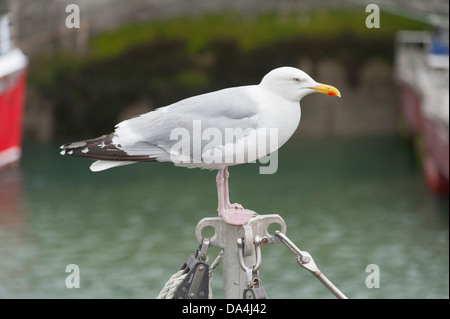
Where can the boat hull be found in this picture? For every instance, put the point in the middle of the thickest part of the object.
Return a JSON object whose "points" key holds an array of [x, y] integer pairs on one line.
{"points": [[12, 93]]}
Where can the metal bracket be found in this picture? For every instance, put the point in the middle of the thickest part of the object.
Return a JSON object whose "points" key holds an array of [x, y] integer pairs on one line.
{"points": [[257, 226], [254, 288], [257, 243], [241, 247]]}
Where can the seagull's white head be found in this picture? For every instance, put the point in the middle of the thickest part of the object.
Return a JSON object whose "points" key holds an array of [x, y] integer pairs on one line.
{"points": [[293, 84]]}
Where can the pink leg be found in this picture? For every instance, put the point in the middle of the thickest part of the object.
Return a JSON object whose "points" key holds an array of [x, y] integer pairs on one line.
{"points": [[220, 181], [233, 214], [228, 205]]}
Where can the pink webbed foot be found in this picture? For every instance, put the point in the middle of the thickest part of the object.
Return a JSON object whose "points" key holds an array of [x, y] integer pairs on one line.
{"points": [[234, 206], [236, 216]]}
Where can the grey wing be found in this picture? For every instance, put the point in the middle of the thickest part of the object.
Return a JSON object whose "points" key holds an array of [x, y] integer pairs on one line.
{"points": [[199, 119]]}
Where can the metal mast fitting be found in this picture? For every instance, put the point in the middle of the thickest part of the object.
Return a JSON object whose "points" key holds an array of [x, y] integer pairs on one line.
{"points": [[241, 252]]}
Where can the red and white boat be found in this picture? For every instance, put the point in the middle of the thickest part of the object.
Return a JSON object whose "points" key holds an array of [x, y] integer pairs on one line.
{"points": [[13, 66], [422, 76]]}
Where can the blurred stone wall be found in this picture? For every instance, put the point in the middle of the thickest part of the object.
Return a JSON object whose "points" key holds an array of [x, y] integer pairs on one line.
{"points": [[40, 24], [370, 108]]}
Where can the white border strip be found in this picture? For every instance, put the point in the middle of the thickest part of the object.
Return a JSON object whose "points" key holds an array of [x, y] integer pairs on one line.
{"points": [[10, 155], [12, 61]]}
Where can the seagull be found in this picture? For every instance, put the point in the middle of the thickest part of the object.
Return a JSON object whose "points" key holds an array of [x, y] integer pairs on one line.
{"points": [[210, 131]]}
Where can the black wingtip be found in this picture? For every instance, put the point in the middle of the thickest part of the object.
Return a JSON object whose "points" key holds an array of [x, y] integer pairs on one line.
{"points": [[102, 148]]}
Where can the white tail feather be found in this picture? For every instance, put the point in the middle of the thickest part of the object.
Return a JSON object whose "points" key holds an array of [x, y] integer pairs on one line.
{"points": [[103, 165]]}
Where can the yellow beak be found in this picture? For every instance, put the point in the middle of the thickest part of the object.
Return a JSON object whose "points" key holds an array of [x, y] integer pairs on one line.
{"points": [[326, 89]]}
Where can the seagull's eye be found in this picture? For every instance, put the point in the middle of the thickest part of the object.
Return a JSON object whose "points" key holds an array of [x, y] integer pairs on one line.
{"points": [[296, 80]]}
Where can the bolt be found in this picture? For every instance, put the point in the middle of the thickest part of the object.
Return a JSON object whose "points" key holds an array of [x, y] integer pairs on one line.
{"points": [[305, 259], [249, 295], [201, 267], [191, 295], [264, 240]]}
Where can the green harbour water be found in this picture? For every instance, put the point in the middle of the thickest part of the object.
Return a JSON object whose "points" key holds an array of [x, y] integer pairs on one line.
{"points": [[349, 201]]}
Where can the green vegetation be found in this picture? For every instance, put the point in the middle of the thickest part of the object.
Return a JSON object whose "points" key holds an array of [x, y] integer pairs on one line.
{"points": [[248, 32]]}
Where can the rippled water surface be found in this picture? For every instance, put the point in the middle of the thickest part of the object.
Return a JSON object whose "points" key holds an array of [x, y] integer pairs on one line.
{"points": [[350, 202]]}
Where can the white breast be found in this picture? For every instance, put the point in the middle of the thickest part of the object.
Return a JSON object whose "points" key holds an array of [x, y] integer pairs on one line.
{"points": [[280, 114]]}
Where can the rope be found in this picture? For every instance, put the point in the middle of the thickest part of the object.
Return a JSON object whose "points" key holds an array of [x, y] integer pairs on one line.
{"points": [[171, 285], [215, 264], [177, 278]]}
